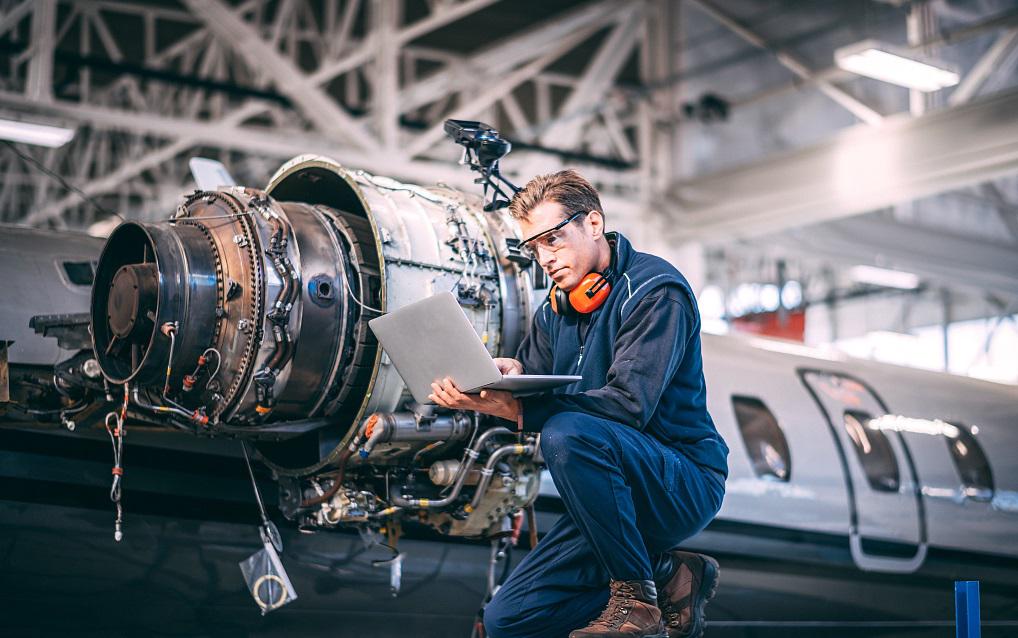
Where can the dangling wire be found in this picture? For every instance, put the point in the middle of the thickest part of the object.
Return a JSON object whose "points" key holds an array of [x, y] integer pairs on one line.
{"points": [[346, 284], [202, 361], [254, 485], [63, 182], [116, 434], [219, 363], [502, 545]]}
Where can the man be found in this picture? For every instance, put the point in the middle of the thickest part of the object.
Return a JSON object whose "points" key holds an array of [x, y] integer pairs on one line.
{"points": [[631, 448]]}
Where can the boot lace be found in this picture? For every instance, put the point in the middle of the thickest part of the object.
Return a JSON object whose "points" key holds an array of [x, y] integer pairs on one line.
{"points": [[672, 616], [619, 606], [672, 611]]}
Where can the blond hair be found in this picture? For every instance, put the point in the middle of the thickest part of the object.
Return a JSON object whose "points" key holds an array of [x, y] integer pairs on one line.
{"points": [[566, 187]]}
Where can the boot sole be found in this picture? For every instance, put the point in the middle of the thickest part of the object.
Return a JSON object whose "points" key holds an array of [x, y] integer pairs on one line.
{"points": [[661, 635]]}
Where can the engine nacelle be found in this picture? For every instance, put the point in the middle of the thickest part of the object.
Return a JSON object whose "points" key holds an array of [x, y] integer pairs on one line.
{"points": [[246, 315]]}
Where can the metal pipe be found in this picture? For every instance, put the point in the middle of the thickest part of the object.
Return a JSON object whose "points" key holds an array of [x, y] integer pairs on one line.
{"points": [[488, 471], [407, 426], [470, 455], [170, 330], [161, 408]]}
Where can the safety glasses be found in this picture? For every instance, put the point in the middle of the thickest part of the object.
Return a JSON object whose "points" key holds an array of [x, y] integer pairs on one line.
{"points": [[552, 239]]}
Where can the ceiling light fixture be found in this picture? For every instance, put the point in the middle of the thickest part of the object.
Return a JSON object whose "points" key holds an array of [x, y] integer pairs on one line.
{"points": [[882, 61], [884, 277], [38, 134]]}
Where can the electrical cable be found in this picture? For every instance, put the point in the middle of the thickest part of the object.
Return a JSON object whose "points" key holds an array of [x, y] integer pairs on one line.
{"points": [[219, 363], [346, 284], [63, 182], [117, 442], [202, 360], [73, 409], [381, 561], [254, 484]]}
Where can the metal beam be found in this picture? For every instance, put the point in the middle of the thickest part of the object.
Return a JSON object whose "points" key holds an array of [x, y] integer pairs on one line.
{"points": [[365, 51], [138, 9], [792, 63], [613, 128], [192, 40], [860, 170], [982, 69], [105, 37], [517, 118], [655, 122], [316, 105], [935, 255], [108, 182], [39, 83], [265, 141], [15, 15], [920, 25], [131, 169], [1007, 211], [597, 78], [507, 54], [385, 18], [499, 89]]}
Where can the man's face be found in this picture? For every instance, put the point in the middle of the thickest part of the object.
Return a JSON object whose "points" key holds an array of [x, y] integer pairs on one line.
{"points": [[573, 251]]}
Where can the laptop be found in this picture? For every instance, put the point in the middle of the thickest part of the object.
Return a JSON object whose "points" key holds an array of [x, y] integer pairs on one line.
{"points": [[432, 339]]}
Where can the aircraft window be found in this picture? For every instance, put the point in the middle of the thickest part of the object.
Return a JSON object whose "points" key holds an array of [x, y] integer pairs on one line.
{"points": [[79, 273], [971, 462], [764, 440], [874, 451]]}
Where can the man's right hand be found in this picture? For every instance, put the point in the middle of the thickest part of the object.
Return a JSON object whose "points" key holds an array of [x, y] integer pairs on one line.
{"points": [[508, 366]]}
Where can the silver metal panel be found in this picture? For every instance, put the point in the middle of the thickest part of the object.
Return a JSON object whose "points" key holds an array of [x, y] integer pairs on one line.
{"points": [[34, 283], [816, 498]]}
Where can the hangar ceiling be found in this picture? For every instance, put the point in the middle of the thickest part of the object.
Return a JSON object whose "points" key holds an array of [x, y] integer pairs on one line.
{"points": [[722, 122]]}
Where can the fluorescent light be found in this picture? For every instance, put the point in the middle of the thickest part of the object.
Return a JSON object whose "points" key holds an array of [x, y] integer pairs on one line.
{"points": [[884, 277], [711, 303], [791, 294], [39, 134], [770, 297], [885, 62]]}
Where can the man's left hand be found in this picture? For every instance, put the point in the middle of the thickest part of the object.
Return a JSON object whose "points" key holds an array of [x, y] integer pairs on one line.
{"points": [[494, 402]]}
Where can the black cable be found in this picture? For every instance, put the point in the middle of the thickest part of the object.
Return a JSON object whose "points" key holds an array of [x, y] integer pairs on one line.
{"points": [[73, 409], [380, 561], [63, 182], [254, 484]]}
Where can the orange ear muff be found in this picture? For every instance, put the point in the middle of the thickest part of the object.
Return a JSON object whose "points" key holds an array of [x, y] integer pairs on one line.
{"points": [[590, 293]]}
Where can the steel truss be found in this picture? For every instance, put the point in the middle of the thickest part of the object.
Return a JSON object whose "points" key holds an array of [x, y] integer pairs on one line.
{"points": [[255, 82]]}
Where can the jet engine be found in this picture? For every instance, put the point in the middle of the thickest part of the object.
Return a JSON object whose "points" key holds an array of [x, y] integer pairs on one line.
{"points": [[245, 315]]}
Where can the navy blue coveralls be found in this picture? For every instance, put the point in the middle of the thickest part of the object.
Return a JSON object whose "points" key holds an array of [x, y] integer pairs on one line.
{"points": [[631, 448]]}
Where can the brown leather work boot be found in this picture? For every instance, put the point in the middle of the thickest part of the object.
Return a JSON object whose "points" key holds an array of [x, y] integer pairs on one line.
{"points": [[631, 613], [684, 597]]}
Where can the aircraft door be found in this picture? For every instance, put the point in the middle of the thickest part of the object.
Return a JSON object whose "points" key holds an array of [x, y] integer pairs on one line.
{"points": [[887, 527]]}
